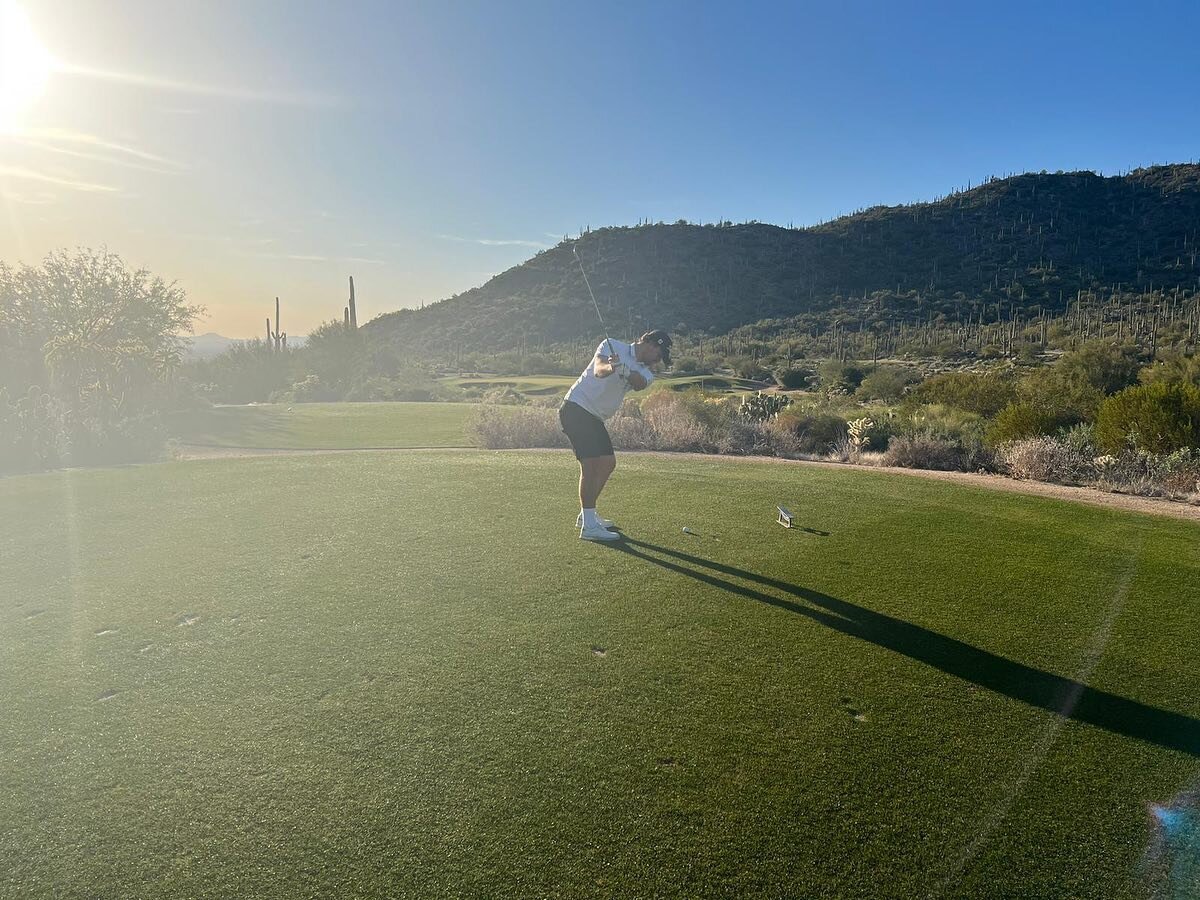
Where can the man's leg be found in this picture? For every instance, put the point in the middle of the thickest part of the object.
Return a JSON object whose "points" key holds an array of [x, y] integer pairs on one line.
{"points": [[593, 475]]}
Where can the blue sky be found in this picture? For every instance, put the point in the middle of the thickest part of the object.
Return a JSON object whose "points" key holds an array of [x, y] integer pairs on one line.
{"points": [[251, 149]]}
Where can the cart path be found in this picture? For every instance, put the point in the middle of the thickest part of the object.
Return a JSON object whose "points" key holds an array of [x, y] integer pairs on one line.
{"points": [[1188, 511]]}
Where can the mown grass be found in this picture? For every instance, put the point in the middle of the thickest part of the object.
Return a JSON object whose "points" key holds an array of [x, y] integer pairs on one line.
{"points": [[403, 675], [544, 385], [321, 426]]}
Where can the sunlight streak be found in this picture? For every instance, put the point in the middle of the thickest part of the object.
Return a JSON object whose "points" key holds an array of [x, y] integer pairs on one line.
{"points": [[205, 90], [30, 175], [1054, 726], [96, 157], [77, 137], [25, 65]]}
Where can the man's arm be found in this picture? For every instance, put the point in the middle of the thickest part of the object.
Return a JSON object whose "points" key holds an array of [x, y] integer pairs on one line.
{"points": [[604, 366]]}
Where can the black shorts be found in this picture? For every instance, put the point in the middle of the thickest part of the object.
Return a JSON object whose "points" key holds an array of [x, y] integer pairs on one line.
{"points": [[587, 434]]}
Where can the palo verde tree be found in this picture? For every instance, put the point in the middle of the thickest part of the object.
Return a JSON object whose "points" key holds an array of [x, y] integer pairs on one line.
{"points": [[97, 337]]}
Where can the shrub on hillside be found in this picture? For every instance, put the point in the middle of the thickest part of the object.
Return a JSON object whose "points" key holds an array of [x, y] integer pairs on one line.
{"points": [[686, 420], [1174, 367], [1138, 472], [1022, 420], [34, 432], [1160, 417], [838, 376], [887, 383], [760, 406], [508, 428], [924, 452], [943, 421], [984, 395], [792, 379], [1101, 365], [504, 395], [1045, 458], [689, 365], [812, 432]]}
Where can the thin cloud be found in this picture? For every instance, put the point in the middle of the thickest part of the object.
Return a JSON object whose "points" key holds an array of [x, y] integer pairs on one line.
{"points": [[305, 257], [491, 242], [96, 157], [29, 200], [61, 135], [30, 175], [285, 98]]}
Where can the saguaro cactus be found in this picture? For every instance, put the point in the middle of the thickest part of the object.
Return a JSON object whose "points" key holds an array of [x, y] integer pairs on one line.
{"points": [[276, 339], [352, 314]]}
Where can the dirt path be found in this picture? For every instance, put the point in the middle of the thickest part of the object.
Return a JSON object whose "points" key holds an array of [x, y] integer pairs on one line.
{"points": [[1151, 505]]}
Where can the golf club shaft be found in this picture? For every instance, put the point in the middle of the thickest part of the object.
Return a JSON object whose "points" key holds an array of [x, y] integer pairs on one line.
{"points": [[595, 305]]}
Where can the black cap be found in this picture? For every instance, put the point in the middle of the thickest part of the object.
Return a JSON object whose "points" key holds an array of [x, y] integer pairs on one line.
{"points": [[661, 340]]}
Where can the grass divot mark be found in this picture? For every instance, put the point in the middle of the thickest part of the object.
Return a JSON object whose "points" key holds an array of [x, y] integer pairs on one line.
{"points": [[855, 714], [34, 614], [668, 762], [600, 651], [104, 631], [187, 619], [144, 649], [107, 695]]}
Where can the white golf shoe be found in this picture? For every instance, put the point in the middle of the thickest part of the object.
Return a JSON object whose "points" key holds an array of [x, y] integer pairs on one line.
{"points": [[607, 523], [598, 533]]}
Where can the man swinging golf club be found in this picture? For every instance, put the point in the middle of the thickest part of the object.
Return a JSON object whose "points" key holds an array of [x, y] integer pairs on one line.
{"points": [[616, 368]]}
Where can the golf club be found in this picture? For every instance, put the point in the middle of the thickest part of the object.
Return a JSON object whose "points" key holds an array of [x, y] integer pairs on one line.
{"points": [[595, 305]]}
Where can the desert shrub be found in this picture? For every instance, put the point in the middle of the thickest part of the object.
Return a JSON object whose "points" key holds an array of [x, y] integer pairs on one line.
{"points": [[1081, 438], [1045, 458], [1019, 421], [34, 432], [1101, 365], [308, 390], [98, 440], [1160, 417], [1175, 368], [629, 431], [748, 367], [812, 432], [836, 375], [688, 365], [791, 379], [924, 452], [759, 407], [941, 420], [505, 395], [686, 420], [1138, 472], [506, 428], [887, 383], [869, 433], [1066, 399], [984, 395]]}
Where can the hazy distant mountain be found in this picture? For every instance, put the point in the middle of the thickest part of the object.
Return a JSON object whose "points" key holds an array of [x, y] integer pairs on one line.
{"points": [[1027, 242], [210, 344]]}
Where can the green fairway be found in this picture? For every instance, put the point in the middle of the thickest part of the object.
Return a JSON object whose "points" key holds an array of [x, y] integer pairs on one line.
{"points": [[530, 385], [324, 426], [404, 675], [543, 385]]}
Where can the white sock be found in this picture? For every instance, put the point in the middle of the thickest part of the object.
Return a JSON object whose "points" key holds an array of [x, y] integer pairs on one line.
{"points": [[589, 518]]}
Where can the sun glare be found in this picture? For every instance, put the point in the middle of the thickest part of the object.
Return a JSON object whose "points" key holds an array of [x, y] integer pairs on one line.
{"points": [[25, 65]]}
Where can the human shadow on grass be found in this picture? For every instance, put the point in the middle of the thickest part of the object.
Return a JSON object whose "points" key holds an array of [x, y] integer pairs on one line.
{"points": [[1053, 693]]}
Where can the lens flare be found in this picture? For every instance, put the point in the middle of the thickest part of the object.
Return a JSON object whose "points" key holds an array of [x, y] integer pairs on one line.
{"points": [[25, 65], [1171, 863]]}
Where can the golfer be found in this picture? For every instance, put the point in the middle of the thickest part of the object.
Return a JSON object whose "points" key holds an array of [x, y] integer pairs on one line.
{"points": [[617, 368]]}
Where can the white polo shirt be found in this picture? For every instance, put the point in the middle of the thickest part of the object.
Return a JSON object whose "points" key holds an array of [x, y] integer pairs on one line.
{"points": [[603, 396]]}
